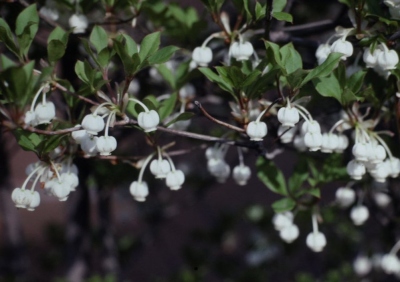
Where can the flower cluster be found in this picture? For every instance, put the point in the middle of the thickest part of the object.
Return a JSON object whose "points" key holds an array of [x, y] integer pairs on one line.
{"points": [[58, 179], [283, 222], [381, 59], [162, 169], [44, 111]]}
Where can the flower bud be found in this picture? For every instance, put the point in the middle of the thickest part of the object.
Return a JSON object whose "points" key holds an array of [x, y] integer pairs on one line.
{"points": [[359, 214], [139, 191], [288, 116], [149, 120], [241, 174], [175, 179], [45, 112], [93, 124], [316, 241], [202, 56], [105, 145], [187, 92], [256, 130], [241, 51]]}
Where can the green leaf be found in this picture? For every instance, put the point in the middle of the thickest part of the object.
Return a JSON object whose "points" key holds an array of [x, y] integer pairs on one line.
{"points": [[291, 59], [316, 192], [80, 72], [283, 16], [131, 64], [273, 53], [278, 5], [26, 27], [163, 55], [149, 45], [7, 38], [348, 97], [356, 80], [271, 176], [58, 34], [6, 63], [328, 87], [99, 38], [167, 74], [259, 11], [325, 68], [55, 50], [167, 106], [213, 77], [282, 205]]}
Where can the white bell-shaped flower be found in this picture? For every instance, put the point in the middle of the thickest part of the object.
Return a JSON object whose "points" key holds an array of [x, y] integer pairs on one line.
{"points": [[316, 241], [224, 173], [322, 53], [45, 112], [330, 142], [89, 146], [241, 174], [214, 153], [361, 151], [21, 198], [139, 190], [71, 179], [30, 118], [35, 201], [288, 116], [377, 154], [49, 13], [390, 264], [342, 46], [78, 22], [313, 141], [311, 126], [257, 130], [289, 233], [60, 190], [282, 220], [79, 135], [241, 51], [202, 56], [345, 196], [216, 166], [359, 214], [160, 168], [286, 133], [380, 172], [149, 120], [93, 124], [356, 169], [387, 59], [105, 145], [382, 199], [175, 179], [394, 166], [362, 265], [370, 59], [343, 143]]}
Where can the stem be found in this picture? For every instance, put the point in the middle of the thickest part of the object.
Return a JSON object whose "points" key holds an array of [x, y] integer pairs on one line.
{"points": [[268, 18], [314, 223], [208, 39], [36, 179], [56, 171], [146, 162], [303, 116], [198, 104], [336, 125], [240, 154], [140, 103], [44, 98], [108, 123], [101, 106], [36, 97], [29, 177], [395, 248], [383, 143], [170, 162], [159, 153]]}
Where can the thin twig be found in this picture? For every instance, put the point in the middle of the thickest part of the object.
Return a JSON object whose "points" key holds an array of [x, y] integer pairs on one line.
{"points": [[62, 88], [198, 104]]}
